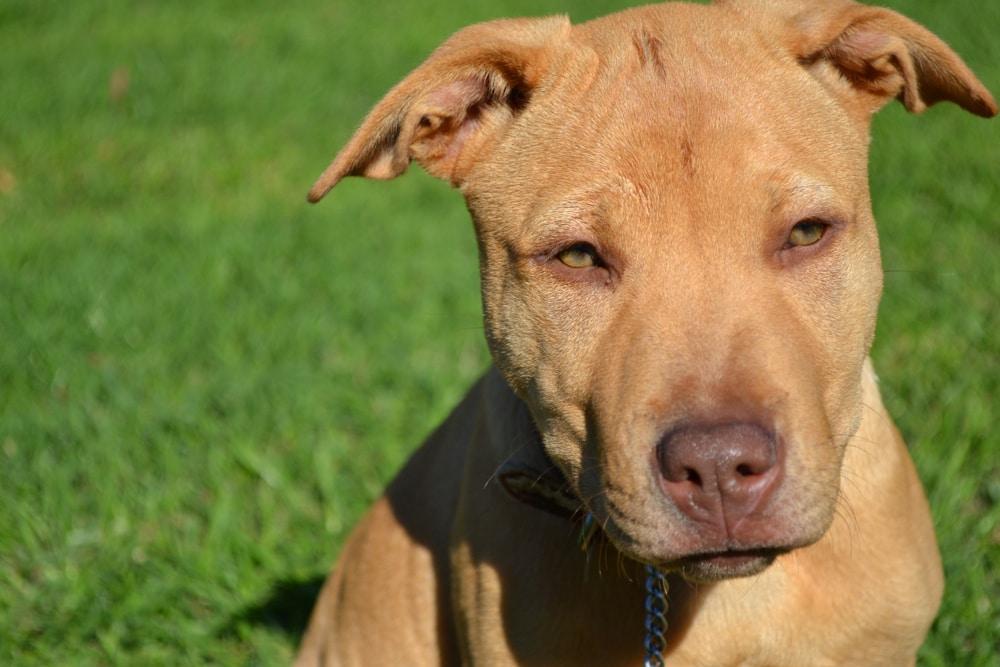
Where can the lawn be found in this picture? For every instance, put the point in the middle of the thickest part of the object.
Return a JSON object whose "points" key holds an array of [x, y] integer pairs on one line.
{"points": [[204, 381]]}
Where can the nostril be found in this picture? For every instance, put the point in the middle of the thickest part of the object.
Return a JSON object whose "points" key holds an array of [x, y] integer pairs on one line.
{"points": [[744, 470], [691, 475]]}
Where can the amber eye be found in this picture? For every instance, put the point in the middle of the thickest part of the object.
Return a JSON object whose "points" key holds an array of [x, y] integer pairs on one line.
{"points": [[578, 256], [807, 232]]}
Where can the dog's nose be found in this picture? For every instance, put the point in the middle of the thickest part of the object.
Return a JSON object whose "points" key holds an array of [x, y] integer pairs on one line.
{"points": [[719, 474]]}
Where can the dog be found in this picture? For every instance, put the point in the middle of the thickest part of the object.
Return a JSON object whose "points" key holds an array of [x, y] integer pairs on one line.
{"points": [[680, 276]]}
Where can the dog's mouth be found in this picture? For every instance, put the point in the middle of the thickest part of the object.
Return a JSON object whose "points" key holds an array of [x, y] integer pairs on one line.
{"points": [[728, 564], [721, 558]]}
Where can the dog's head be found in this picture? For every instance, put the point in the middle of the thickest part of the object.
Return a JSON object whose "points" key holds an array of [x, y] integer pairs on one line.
{"points": [[680, 269]]}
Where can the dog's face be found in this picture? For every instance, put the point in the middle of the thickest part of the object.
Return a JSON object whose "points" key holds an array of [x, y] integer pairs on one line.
{"points": [[680, 268], [692, 254]]}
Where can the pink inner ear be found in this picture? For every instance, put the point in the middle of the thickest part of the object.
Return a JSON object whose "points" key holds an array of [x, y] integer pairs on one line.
{"points": [[443, 122], [454, 98], [860, 50], [878, 62]]}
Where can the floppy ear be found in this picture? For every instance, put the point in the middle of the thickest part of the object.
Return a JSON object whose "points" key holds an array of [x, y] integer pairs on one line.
{"points": [[449, 110], [867, 55]]}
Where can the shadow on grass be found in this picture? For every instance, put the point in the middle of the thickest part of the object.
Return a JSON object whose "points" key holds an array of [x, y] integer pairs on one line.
{"points": [[285, 608]]}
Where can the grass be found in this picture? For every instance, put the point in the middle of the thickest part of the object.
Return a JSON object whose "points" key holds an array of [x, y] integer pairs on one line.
{"points": [[204, 382]]}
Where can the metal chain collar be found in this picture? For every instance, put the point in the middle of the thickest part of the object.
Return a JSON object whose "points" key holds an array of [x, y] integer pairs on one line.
{"points": [[657, 588], [656, 617]]}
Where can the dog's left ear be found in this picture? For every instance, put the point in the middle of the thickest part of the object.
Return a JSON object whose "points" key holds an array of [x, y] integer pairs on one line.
{"points": [[448, 111], [867, 55]]}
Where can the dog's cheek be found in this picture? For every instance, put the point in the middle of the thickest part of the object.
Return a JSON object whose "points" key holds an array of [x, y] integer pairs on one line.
{"points": [[844, 322], [855, 314], [836, 301], [514, 349], [545, 338], [566, 324]]}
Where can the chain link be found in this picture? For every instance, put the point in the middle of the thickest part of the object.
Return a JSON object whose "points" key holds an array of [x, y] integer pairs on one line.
{"points": [[656, 617]]}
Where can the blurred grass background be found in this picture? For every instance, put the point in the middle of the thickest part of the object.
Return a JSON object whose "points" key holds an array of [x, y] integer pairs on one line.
{"points": [[204, 382]]}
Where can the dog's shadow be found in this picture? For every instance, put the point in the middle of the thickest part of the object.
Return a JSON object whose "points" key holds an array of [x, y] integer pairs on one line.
{"points": [[285, 608]]}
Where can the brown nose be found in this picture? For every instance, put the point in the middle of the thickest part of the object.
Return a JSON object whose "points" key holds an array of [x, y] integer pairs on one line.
{"points": [[719, 474]]}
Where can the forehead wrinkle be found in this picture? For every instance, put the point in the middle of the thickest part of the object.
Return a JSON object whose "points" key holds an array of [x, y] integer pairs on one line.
{"points": [[648, 48]]}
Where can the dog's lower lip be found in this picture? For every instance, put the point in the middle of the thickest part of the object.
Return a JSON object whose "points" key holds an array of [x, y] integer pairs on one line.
{"points": [[733, 558]]}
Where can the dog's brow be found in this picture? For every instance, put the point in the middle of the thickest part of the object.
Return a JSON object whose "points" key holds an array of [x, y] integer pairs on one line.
{"points": [[801, 191], [567, 218], [585, 210]]}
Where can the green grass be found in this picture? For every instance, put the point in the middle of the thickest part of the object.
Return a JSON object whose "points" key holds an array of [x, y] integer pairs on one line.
{"points": [[203, 381]]}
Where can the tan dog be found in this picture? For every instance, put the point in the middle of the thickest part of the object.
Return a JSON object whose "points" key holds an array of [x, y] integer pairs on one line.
{"points": [[680, 275]]}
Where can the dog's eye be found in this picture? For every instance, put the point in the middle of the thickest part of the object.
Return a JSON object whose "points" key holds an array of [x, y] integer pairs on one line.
{"points": [[807, 232], [578, 256]]}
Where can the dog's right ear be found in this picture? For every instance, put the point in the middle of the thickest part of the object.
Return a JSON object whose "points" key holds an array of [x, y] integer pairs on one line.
{"points": [[866, 56], [450, 110]]}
